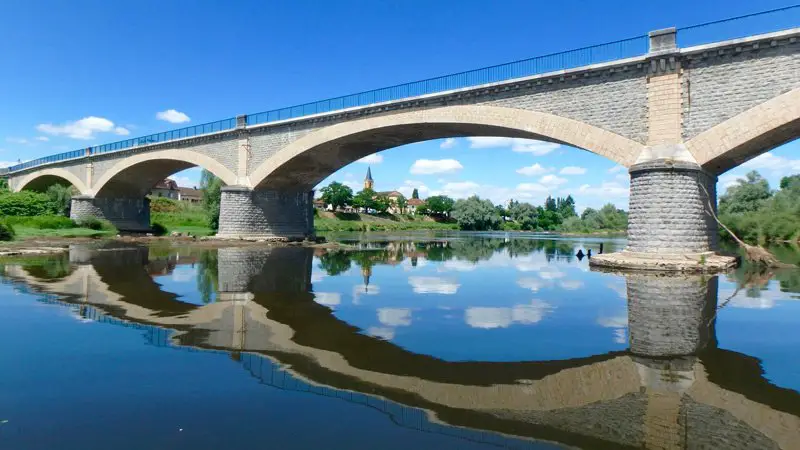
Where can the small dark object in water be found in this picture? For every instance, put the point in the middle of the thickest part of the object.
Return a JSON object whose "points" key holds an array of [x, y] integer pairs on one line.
{"points": [[589, 253], [579, 254], [601, 248]]}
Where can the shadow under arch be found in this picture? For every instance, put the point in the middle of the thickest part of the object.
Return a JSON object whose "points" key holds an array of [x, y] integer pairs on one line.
{"points": [[135, 175], [40, 180], [311, 158]]}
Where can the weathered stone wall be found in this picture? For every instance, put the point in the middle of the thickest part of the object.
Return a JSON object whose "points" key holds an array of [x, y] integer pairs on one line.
{"points": [[717, 87], [127, 214], [670, 315], [669, 209], [265, 214]]}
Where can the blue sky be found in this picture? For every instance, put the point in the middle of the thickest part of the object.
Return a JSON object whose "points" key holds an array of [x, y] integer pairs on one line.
{"points": [[87, 72]]}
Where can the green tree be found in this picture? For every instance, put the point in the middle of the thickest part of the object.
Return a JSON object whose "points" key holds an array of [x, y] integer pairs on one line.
{"points": [[791, 183], [550, 204], [402, 204], [61, 196], [476, 214], [566, 207], [523, 214], [3, 184], [212, 196], [337, 195], [440, 204], [381, 203], [335, 262], [364, 200], [748, 195], [415, 193]]}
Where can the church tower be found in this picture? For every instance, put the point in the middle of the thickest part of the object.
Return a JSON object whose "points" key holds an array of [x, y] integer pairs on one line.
{"points": [[368, 181]]}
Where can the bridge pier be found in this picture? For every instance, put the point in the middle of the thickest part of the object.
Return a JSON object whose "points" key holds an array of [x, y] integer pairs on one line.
{"points": [[265, 214], [670, 226], [127, 214]]}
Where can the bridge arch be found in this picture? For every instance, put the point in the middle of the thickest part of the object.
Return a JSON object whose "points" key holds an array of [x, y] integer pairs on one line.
{"points": [[749, 134], [135, 175], [308, 160], [42, 178]]}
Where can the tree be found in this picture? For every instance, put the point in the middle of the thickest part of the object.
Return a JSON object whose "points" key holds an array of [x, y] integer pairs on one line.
{"points": [[524, 214], [440, 204], [364, 200], [476, 214], [381, 203], [337, 195], [747, 195], [335, 262], [4, 184], [212, 196], [550, 204], [402, 204], [415, 193], [566, 207], [61, 196], [791, 183]]}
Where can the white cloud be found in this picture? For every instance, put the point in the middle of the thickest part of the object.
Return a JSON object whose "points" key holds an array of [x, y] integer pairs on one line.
{"points": [[16, 140], [431, 166], [433, 285], [375, 158], [552, 180], [616, 169], [533, 170], [571, 285], [729, 180], [381, 332], [172, 116], [488, 318], [777, 165], [459, 265], [7, 163], [42, 138], [572, 170], [394, 317], [448, 143], [551, 273], [408, 188], [328, 298], [620, 321], [85, 128], [534, 284], [606, 189], [537, 148]]}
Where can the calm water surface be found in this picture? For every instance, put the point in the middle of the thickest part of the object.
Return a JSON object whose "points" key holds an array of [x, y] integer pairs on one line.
{"points": [[407, 341]]}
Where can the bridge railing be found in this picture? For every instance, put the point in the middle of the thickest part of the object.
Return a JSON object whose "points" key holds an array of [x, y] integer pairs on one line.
{"points": [[732, 28], [625, 48], [774, 20]]}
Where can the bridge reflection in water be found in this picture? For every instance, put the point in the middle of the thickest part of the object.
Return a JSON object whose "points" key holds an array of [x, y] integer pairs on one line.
{"points": [[673, 388]]}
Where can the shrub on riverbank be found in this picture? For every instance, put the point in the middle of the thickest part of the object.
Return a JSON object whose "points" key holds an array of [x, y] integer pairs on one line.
{"points": [[51, 222], [6, 231], [27, 203], [326, 221]]}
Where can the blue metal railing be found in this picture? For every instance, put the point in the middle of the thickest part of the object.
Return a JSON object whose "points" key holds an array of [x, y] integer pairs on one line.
{"points": [[735, 27], [778, 19], [571, 59]]}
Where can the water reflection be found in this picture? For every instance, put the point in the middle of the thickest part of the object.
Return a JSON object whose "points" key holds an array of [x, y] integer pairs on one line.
{"points": [[666, 383]]}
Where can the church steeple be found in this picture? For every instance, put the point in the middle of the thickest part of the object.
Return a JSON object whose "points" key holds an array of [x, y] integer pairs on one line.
{"points": [[368, 181]]}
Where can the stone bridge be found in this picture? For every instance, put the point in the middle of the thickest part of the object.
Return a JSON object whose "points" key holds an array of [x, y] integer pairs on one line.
{"points": [[674, 388], [675, 117]]}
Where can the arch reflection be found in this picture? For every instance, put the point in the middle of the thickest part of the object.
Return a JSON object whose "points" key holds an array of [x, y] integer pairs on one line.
{"points": [[672, 388]]}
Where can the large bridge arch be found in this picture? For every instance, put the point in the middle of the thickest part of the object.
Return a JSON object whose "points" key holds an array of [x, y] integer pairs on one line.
{"points": [[135, 175], [748, 134], [310, 159], [46, 177]]}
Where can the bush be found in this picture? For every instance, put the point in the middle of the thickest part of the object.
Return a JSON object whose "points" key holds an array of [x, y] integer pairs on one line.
{"points": [[42, 222], [6, 231], [511, 226], [94, 223], [158, 229], [163, 204], [26, 203]]}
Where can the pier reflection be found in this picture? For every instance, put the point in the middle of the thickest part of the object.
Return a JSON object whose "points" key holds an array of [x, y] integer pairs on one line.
{"points": [[673, 388]]}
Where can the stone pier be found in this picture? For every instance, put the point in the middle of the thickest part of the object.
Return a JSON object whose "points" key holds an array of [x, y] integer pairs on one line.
{"points": [[127, 214], [265, 214]]}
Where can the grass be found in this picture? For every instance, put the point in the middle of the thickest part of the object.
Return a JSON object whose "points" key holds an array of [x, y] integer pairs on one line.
{"points": [[28, 233], [187, 221], [327, 221]]}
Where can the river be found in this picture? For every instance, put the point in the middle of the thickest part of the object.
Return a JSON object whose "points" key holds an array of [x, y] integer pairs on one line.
{"points": [[420, 340]]}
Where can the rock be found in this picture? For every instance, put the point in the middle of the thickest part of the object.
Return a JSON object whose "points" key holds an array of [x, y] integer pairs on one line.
{"points": [[176, 234]]}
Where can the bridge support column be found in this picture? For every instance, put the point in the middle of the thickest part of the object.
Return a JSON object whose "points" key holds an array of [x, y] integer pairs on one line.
{"points": [[670, 226], [265, 214], [127, 214]]}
